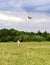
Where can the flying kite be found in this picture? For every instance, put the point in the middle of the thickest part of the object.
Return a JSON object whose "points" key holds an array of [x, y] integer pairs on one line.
{"points": [[29, 17]]}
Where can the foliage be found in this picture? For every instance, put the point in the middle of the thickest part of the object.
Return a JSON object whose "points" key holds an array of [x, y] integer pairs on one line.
{"points": [[38, 38], [48, 37], [13, 35]]}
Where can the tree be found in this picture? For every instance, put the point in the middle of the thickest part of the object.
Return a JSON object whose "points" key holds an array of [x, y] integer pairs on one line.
{"points": [[39, 33], [14, 35], [48, 38], [45, 34]]}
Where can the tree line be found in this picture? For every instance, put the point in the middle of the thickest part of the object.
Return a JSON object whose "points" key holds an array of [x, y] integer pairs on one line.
{"points": [[7, 35]]}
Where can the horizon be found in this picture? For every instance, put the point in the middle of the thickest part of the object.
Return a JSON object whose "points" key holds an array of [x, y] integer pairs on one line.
{"points": [[23, 31]]}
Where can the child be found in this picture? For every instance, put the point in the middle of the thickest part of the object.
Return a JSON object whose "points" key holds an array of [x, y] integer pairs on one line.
{"points": [[18, 43]]}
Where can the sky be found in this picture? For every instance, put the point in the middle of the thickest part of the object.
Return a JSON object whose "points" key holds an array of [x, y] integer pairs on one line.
{"points": [[14, 14]]}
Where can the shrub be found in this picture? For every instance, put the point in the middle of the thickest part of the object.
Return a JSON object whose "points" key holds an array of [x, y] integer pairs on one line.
{"points": [[38, 38], [48, 38]]}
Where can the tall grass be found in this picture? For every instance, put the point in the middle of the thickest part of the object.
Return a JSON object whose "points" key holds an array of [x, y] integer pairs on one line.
{"points": [[29, 53]]}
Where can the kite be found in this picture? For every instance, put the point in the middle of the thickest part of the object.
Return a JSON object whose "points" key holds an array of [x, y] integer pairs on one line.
{"points": [[29, 17]]}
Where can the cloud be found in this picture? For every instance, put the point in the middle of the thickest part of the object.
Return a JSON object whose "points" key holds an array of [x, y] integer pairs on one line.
{"points": [[14, 14], [40, 6], [33, 2], [23, 17], [5, 17]]}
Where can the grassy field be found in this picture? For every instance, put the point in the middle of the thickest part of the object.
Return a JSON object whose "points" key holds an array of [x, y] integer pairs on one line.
{"points": [[29, 53]]}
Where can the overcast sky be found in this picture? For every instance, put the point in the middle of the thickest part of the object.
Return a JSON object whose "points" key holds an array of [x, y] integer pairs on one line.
{"points": [[14, 14]]}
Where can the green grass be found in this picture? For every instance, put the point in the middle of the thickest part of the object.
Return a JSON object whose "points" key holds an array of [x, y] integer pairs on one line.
{"points": [[29, 53]]}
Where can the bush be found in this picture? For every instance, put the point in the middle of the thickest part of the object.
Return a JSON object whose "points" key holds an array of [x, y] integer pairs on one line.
{"points": [[38, 38], [26, 38], [48, 38], [5, 39]]}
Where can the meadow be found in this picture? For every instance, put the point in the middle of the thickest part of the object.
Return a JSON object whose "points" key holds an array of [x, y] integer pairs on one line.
{"points": [[29, 53]]}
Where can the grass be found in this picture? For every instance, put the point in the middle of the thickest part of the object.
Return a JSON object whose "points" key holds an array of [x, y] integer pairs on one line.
{"points": [[29, 53]]}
